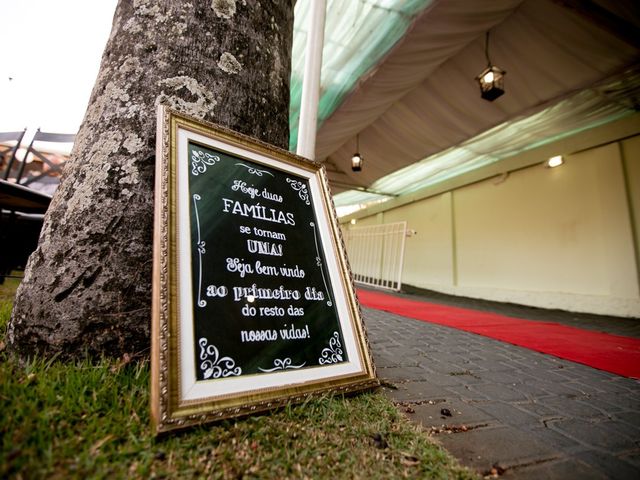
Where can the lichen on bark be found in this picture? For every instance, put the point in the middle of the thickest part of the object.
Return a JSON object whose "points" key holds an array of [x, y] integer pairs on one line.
{"points": [[224, 8], [229, 64], [87, 286]]}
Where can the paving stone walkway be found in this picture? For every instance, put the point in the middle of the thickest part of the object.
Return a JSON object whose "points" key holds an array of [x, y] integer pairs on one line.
{"points": [[524, 414]]}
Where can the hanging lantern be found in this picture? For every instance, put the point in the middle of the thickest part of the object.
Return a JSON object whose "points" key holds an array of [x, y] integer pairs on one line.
{"points": [[356, 160], [491, 79], [491, 82]]}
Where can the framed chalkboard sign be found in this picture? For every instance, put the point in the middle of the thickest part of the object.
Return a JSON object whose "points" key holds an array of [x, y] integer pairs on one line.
{"points": [[253, 304]]}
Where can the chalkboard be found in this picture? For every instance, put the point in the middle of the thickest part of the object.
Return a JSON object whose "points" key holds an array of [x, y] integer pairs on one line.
{"points": [[253, 304]]}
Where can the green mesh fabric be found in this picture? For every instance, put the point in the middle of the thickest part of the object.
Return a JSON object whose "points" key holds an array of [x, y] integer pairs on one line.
{"points": [[583, 111], [358, 33]]}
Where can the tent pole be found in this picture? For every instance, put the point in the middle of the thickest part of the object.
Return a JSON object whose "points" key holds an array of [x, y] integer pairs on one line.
{"points": [[311, 81]]}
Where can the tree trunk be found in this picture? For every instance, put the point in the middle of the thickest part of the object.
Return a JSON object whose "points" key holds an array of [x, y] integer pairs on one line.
{"points": [[87, 287]]}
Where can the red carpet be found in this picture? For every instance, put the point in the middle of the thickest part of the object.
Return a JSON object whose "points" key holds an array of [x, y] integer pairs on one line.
{"points": [[611, 353]]}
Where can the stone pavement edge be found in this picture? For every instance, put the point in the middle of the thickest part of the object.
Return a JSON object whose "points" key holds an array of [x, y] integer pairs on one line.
{"points": [[506, 411]]}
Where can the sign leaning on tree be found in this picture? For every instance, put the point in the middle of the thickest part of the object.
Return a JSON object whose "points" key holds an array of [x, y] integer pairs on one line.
{"points": [[253, 303]]}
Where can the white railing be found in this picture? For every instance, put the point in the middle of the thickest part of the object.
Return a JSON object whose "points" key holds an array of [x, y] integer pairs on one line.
{"points": [[376, 254]]}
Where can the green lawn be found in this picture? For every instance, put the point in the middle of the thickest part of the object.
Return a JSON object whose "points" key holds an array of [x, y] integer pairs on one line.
{"points": [[8, 289], [91, 420]]}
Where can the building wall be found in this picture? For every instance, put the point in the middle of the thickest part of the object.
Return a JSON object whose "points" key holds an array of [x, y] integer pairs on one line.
{"points": [[630, 150], [429, 252], [555, 238]]}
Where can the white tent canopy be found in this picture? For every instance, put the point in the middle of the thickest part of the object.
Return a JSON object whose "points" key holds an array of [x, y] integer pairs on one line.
{"points": [[417, 108]]}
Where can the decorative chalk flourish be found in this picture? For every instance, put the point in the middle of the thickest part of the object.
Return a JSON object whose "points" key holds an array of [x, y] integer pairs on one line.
{"points": [[213, 365], [255, 171], [319, 264], [200, 160], [283, 364], [201, 251], [301, 188], [332, 354]]}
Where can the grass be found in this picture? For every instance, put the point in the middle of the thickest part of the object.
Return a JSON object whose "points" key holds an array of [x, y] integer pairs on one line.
{"points": [[91, 420], [8, 289]]}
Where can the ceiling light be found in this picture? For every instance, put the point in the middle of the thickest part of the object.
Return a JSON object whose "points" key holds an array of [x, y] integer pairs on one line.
{"points": [[555, 161], [491, 79], [356, 160]]}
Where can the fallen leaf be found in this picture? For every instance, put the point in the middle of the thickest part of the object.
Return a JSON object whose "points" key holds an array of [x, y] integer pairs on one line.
{"points": [[125, 360], [96, 446], [409, 460]]}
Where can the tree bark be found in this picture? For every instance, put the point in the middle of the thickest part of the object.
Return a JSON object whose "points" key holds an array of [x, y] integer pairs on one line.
{"points": [[87, 287]]}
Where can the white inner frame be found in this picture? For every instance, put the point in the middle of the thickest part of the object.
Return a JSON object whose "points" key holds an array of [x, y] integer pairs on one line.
{"points": [[189, 388]]}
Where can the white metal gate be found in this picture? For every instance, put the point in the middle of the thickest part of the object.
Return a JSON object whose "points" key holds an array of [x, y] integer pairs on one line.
{"points": [[376, 254]]}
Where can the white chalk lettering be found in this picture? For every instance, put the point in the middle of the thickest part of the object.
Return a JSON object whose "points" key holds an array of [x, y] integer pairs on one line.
{"points": [[268, 233], [213, 291], [266, 269], [264, 248], [271, 196], [242, 186], [235, 265], [311, 293], [295, 311], [279, 293], [295, 272], [271, 311], [257, 212], [293, 333], [258, 335], [239, 185]]}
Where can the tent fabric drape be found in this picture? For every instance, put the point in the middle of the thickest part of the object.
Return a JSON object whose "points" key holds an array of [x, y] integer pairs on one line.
{"points": [[421, 105]]}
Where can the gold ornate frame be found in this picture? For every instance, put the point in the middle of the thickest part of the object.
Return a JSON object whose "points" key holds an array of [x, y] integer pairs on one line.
{"points": [[168, 410]]}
